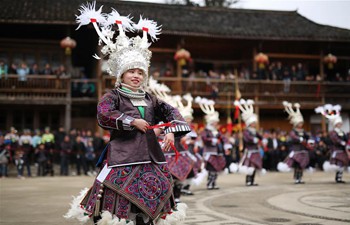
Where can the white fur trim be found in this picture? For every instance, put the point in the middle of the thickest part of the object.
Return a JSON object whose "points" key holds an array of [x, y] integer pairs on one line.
{"points": [[328, 167], [75, 211], [262, 171], [108, 219], [283, 167], [175, 217], [246, 170], [233, 168], [200, 177]]}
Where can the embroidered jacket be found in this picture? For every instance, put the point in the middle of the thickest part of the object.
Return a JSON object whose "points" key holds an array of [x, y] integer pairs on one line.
{"points": [[339, 140], [129, 146], [298, 140], [251, 139]]}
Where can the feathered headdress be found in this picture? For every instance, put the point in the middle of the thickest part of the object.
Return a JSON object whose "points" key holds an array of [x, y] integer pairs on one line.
{"points": [[295, 116], [331, 112], [124, 53], [207, 106], [161, 91], [248, 115], [185, 110]]}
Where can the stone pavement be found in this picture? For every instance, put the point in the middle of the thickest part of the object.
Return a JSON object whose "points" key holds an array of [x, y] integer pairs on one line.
{"points": [[43, 201]]}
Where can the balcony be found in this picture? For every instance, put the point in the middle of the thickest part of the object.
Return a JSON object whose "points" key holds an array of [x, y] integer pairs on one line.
{"points": [[40, 89]]}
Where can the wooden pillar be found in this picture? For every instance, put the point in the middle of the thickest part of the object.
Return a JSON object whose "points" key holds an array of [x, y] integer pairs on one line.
{"points": [[321, 65], [257, 111], [323, 120], [68, 108], [255, 67], [36, 124]]}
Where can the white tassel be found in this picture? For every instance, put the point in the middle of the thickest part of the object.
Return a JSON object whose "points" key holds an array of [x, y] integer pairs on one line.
{"points": [[88, 12], [283, 167], [76, 212]]}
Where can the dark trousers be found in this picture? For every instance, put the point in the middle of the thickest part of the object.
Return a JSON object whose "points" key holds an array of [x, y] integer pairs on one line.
{"points": [[64, 165]]}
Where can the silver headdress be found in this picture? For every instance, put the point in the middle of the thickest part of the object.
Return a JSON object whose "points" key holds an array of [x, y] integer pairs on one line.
{"points": [[248, 115], [161, 91], [185, 110], [295, 116], [331, 112], [207, 106], [124, 53]]}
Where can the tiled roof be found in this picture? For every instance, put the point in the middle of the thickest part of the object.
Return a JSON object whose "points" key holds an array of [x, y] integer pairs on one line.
{"points": [[183, 20]]}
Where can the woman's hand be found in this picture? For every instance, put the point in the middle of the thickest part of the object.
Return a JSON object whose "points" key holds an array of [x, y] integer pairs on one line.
{"points": [[168, 138], [157, 131], [140, 124]]}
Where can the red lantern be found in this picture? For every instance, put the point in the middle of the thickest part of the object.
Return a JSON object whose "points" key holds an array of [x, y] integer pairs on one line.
{"points": [[68, 43], [182, 55], [262, 59], [330, 60]]}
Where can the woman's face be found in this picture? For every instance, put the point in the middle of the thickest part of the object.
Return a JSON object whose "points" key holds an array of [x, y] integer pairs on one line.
{"points": [[133, 78]]}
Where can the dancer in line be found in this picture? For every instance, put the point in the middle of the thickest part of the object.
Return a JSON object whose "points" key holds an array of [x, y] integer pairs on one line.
{"points": [[251, 160], [213, 142], [339, 155], [298, 157]]}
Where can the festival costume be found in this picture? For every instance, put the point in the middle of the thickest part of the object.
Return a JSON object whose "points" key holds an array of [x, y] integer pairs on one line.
{"points": [[213, 142], [298, 157], [339, 158], [134, 185], [251, 160]]}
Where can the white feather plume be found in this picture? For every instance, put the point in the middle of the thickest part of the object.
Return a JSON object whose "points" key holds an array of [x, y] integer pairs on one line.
{"points": [[88, 12], [127, 23], [96, 56], [75, 211], [153, 29]]}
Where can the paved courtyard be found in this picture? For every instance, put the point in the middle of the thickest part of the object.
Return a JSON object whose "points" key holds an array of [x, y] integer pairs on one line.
{"points": [[275, 201]]}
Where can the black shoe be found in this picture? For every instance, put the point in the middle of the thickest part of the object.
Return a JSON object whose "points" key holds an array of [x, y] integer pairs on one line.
{"points": [[216, 188], [251, 184], [340, 182]]}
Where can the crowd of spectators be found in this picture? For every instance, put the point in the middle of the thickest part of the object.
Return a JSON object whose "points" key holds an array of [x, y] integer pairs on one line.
{"points": [[274, 71], [77, 152], [23, 70]]}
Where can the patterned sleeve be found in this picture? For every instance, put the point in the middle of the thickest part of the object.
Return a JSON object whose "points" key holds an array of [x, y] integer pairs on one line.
{"points": [[166, 113], [247, 137], [295, 138], [336, 139], [108, 115]]}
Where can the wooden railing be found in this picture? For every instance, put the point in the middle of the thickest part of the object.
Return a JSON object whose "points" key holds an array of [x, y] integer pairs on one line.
{"points": [[39, 88], [267, 94]]}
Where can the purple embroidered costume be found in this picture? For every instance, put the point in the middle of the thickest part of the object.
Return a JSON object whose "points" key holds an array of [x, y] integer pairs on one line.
{"points": [[298, 156], [139, 180], [213, 155], [252, 157]]}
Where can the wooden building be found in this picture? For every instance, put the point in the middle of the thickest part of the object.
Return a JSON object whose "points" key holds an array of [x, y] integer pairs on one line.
{"points": [[218, 39]]}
